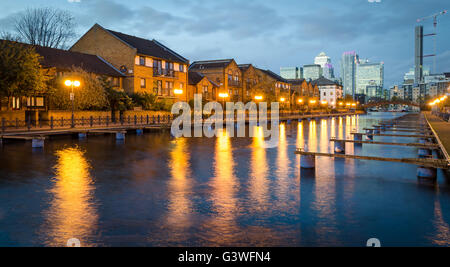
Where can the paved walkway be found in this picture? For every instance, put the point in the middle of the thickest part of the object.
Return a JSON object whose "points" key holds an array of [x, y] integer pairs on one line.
{"points": [[442, 130]]}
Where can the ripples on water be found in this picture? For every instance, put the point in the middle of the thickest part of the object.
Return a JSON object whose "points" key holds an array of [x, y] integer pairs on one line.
{"points": [[158, 191]]}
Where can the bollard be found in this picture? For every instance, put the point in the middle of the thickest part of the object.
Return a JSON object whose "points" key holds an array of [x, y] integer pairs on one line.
{"points": [[139, 131], [307, 161], [339, 147], [426, 172], [37, 143], [120, 136], [82, 135]]}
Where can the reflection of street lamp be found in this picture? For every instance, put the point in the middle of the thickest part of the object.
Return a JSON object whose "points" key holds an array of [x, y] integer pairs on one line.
{"points": [[72, 84], [258, 97]]}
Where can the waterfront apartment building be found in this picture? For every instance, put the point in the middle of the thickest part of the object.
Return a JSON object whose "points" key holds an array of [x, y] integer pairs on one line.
{"points": [[289, 72], [275, 87], [329, 91], [148, 65], [369, 74], [349, 61], [312, 71], [250, 81], [200, 84], [225, 73]]}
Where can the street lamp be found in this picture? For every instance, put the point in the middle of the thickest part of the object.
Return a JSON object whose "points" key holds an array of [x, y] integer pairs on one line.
{"points": [[72, 84], [258, 97], [223, 96], [178, 91]]}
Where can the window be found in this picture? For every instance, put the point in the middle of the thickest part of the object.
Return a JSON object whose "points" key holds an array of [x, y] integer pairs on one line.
{"points": [[16, 102], [157, 67], [230, 76], [142, 61], [143, 83], [157, 87], [205, 88], [181, 68], [324, 93]]}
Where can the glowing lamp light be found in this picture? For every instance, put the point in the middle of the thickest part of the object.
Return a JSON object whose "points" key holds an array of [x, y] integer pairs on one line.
{"points": [[178, 91], [354, 104], [324, 102], [68, 82], [300, 101], [223, 95], [282, 99], [340, 103], [76, 83], [348, 104], [258, 97], [312, 101]]}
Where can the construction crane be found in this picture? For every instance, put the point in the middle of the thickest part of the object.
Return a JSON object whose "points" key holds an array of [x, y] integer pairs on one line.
{"points": [[434, 16]]}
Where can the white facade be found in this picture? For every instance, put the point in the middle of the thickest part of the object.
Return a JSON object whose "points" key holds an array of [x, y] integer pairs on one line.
{"points": [[322, 59], [331, 93]]}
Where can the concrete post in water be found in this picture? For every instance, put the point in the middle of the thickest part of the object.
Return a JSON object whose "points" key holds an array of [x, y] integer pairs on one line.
{"points": [[37, 143], [426, 172], [82, 135], [307, 161], [424, 152], [357, 136], [339, 147], [120, 136], [369, 133], [377, 129], [139, 131]]}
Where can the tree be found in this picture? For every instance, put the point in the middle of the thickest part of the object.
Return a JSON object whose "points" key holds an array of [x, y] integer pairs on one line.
{"points": [[45, 26], [91, 95], [20, 71]]}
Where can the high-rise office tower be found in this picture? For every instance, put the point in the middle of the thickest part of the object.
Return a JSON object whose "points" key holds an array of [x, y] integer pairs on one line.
{"points": [[369, 74], [289, 72], [325, 63], [418, 54], [312, 71], [348, 72]]}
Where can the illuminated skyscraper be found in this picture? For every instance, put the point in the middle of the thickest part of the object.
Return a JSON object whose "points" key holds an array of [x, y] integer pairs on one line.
{"points": [[348, 72], [289, 72], [369, 74]]}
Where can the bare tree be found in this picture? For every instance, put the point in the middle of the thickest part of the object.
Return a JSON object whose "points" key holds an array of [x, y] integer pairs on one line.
{"points": [[46, 27]]}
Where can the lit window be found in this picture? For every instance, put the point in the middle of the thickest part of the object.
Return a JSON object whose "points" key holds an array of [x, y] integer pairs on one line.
{"points": [[142, 61], [143, 83]]}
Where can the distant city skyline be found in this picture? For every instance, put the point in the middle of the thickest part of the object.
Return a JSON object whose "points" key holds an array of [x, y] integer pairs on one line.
{"points": [[267, 34]]}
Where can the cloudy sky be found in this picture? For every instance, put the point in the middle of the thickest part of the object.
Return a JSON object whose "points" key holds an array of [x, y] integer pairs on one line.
{"points": [[267, 33]]}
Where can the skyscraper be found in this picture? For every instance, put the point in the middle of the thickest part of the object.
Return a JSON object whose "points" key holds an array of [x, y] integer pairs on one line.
{"points": [[369, 74], [348, 72], [289, 72], [313, 71], [325, 63], [418, 54]]}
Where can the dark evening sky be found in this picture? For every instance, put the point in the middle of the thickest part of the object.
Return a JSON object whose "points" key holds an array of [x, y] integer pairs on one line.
{"points": [[269, 34]]}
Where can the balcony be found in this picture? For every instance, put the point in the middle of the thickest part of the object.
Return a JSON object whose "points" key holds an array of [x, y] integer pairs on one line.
{"points": [[164, 73], [234, 83]]}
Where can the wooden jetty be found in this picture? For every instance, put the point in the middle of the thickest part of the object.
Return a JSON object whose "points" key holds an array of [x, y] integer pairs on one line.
{"points": [[425, 162], [397, 135], [419, 145], [398, 130]]}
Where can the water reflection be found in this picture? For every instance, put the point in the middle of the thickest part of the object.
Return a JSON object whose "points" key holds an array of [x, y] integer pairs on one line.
{"points": [[223, 196], [73, 213], [258, 171], [442, 235], [179, 208], [282, 172]]}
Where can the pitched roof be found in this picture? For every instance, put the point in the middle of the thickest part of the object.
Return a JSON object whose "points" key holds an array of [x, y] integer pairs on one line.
{"points": [[274, 75], [295, 81], [210, 64], [244, 67], [149, 47], [66, 60], [323, 81], [195, 77]]}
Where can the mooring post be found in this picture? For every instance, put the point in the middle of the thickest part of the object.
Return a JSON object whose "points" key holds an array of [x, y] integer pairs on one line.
{"points": [[37, 142], [339, 147], [426, 172], [139, 131], [82, 135], [120, 136], [307, 161]]}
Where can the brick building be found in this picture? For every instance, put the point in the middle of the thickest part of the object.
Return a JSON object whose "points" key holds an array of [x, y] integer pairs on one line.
{"points": [[200, 84], [225, 73], [149, 66]]}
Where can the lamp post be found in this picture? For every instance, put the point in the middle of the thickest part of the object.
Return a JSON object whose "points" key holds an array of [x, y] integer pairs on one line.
{"points": [[72, 84]]}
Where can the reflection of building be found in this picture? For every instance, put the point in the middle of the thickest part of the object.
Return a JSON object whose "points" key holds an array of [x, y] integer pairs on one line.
{"points": [[149, 66], [330, 91], [374, 91], [348, 72], [312, 72]]}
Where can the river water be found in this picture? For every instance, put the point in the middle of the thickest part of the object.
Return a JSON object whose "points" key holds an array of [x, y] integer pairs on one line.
{"points": [[153, 190]]}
